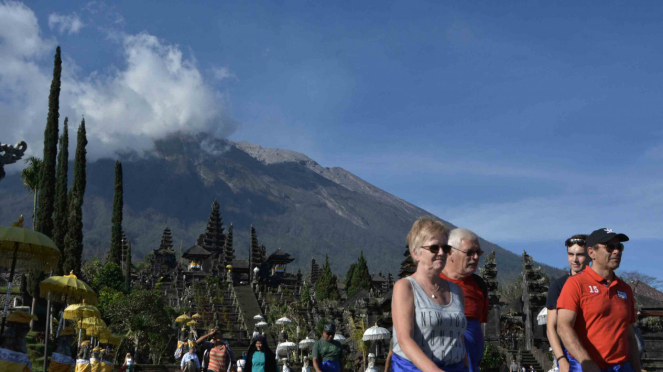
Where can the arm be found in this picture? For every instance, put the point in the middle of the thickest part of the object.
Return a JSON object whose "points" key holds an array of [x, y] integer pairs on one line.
{"points": [[233, 361], [566, 319], [403, 312], [204, 337], [387, 363], [182, 362], [316, 364], [633, 348], [555, 343]]}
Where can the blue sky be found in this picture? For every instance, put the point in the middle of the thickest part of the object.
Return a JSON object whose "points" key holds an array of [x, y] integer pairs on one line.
{"points": [[524, 121]]}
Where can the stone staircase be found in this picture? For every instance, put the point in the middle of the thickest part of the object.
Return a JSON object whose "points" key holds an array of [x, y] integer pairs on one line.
{"points": [[527, 359], [248, 308]]}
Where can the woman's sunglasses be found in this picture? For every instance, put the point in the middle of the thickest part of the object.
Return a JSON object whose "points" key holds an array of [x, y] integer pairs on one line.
{"points": [[435, 248]]}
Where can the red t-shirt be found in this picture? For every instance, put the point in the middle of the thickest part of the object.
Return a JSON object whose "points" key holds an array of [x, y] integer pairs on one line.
{"points": [[603, 315], [476, 304]]}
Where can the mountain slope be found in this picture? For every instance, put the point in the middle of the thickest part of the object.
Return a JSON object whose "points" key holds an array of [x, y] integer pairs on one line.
{"points": [[294, 203]]}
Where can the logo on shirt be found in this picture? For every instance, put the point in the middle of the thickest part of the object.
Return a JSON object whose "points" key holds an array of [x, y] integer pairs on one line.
{"points": [[622, 295], [593, 289]]}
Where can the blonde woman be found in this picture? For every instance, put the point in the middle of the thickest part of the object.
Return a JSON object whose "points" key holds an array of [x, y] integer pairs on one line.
{"points": [[428, 311]]}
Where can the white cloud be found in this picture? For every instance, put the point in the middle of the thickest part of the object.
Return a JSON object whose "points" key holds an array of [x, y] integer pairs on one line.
{"points": [[157, 91], [221, 73], [70, 24]]}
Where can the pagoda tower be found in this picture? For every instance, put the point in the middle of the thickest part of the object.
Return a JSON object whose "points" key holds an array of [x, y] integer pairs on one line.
{"points": [[408, 266], [229, 251], [163, 258], [315, 270], [213, 238], [255, 254]]}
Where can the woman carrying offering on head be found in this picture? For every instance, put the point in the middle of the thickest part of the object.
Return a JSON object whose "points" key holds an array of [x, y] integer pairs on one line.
{"points": [[260, 357], [428, 311]]}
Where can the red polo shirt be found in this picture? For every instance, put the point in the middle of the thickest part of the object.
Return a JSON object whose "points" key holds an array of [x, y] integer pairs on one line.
{"points": [[603, 315], [476, 304]]}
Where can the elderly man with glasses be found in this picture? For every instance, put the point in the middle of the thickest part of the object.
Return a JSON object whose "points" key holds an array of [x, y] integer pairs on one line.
{"points": [[461, 264], [596, 310]]}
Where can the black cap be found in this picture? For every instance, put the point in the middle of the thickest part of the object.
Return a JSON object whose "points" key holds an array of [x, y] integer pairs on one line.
{"points": [[330, 328], [604, 235]]}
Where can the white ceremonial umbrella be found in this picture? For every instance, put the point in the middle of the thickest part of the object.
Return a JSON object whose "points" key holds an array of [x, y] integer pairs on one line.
{"points": [[376, 333], [283, 321], [261, 324], [258, 317], [306, 343], [542, 318], [339, 337]]}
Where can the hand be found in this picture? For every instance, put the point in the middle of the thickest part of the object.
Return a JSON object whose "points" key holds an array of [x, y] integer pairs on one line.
{"points": [[211, 332], [589, 366], [563, 365]]}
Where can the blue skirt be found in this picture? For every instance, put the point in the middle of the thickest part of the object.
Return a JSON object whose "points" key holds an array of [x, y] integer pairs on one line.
{"points": [[330, 366], [474, 344], [400, 364]]}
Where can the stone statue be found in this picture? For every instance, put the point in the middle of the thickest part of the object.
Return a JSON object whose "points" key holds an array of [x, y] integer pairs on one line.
{"points": [[17, 327], [10, 154]]}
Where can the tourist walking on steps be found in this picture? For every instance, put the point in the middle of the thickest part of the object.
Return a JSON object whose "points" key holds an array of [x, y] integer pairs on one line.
{"points": [[190, 362], [428, 311], [576, 255], [260, 358], [514, 366], [328, 353], [596, 310], [218, 356], [462, 263]]}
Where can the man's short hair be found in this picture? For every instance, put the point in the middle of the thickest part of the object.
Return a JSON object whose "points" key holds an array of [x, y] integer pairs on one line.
{"points": [[457, 235], [422, 229]]}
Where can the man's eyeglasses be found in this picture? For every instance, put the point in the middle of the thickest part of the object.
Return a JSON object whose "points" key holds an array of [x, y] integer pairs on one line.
{"points": [[470, 253], [612, 246], [435, 248], [580, 242]]}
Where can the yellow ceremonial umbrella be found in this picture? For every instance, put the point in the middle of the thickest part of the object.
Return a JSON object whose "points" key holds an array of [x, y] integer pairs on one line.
{"points": [[196, 316], [32, 250], [183, 318], [80, 311], [93, 322], [109, 338], [192, 323], [69, 286]]}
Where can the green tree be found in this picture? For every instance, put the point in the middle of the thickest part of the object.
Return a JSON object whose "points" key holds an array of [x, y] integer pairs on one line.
{"points": [[348, 276], [115, 254], [73, 241], [47, 179], [147, 323], [30, 177], [110, 276], [61, 206], [127, 274], [361, 279], [327, 286], [306, 294]]}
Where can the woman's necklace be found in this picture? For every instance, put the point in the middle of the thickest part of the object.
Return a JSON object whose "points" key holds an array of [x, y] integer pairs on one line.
{"points": [[432, 293]]}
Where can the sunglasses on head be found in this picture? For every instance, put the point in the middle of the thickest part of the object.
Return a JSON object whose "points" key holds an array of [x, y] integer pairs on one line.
{"points": [[435, 248], [580, 242]]}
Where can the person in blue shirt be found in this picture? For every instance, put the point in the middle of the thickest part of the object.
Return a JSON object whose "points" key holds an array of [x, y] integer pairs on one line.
{"points": [[190, 362], [260, 358]]}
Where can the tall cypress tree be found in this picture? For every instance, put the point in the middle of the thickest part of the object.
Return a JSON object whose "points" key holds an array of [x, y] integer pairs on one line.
{"points": [[327, 286], [349, 275], [361, 278], [115, 254], [47, 180], [73, 241], [60, 213], [128, 270]]}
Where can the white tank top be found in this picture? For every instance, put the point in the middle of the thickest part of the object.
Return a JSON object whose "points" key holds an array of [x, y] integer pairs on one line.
{"points": [[438, 329]]}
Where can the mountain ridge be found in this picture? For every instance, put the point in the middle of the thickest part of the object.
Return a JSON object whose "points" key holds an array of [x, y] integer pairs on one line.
{"points": [[294, 203]]}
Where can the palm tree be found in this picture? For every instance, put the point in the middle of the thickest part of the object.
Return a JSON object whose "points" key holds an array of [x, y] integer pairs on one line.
{"points": [[30, 176]]}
